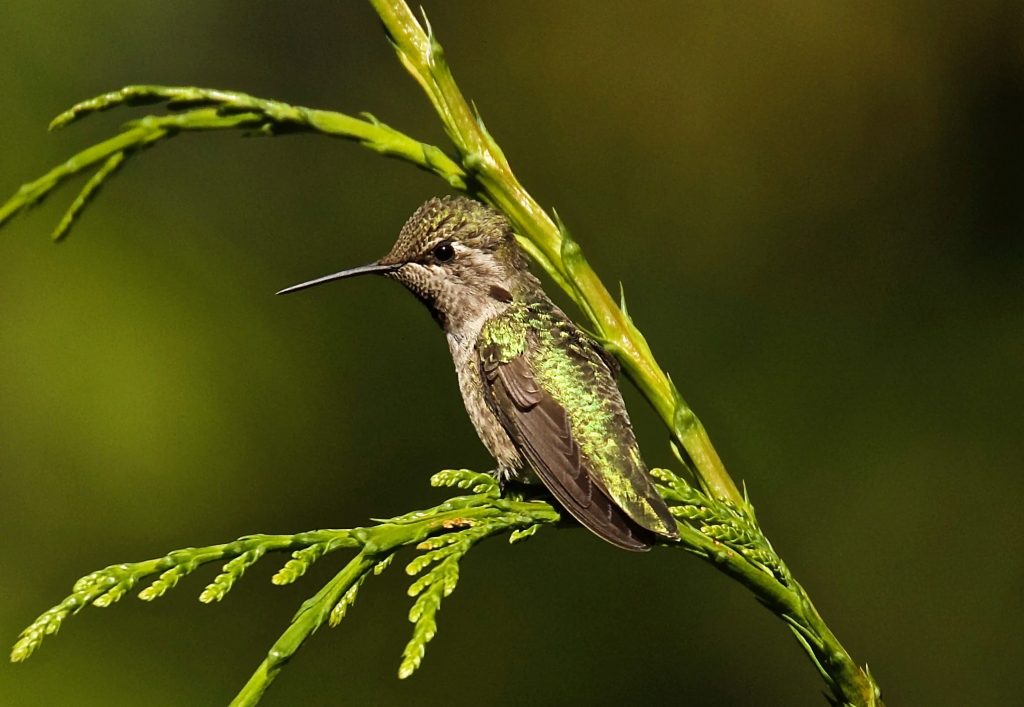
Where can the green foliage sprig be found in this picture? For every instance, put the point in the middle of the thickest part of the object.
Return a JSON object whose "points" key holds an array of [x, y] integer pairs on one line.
{"points": [[716, 521], [209, 109], [444, 534]]}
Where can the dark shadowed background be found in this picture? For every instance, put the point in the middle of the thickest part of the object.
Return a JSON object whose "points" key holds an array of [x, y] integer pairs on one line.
{"points": [[816, 213]]}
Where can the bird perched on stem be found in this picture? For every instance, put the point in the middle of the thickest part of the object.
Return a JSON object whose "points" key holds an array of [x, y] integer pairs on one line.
{"points": [[540, 392]]}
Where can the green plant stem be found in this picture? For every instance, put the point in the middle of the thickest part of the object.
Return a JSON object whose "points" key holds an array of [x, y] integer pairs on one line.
{"points": [[311, 616], [105, 587], [849, 684], [550, 244], [227, 110], [731, 539], [378, 542], [445, 532]]}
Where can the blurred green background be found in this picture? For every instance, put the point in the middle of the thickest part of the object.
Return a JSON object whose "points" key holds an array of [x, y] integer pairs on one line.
{"points": [[816, 212]]}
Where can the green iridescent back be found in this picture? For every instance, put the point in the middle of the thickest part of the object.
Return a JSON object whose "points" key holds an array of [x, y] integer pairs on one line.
{"points": [[567, 366]]}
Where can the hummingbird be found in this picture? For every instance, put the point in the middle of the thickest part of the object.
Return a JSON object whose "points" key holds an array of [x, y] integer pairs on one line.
{"points": [[540, 392]]}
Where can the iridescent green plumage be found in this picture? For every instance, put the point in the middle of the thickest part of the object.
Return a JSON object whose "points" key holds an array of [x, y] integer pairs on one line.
{"points": [[537, 364]]}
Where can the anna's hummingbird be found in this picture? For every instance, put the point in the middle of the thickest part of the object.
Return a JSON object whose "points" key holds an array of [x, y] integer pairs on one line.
{"points": [[540, 392]]}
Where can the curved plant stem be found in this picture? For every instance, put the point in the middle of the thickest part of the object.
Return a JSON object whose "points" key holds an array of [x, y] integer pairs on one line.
{"points": [[212, 109]]}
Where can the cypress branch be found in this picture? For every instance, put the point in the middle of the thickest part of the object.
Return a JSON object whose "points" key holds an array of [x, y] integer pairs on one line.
{"points": [[444, 533]]}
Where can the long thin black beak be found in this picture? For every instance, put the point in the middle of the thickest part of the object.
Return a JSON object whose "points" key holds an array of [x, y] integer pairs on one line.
{"points": [[371, 269]]}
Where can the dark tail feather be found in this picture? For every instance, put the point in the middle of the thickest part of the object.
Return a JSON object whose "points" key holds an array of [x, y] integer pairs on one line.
{"points": [[609, 522]]}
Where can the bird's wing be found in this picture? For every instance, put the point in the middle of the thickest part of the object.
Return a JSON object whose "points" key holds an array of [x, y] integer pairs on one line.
{"points": [[541, 429]]}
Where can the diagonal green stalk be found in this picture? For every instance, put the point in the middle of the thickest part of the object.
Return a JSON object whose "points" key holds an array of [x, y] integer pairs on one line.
{"points": [[311, 616], [421, 53], [730, 538]]}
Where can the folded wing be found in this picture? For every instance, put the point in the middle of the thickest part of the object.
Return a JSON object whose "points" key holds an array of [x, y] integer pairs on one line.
{"points": [[541, 429]]}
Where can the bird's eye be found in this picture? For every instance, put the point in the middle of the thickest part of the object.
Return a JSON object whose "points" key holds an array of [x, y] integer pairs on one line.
{"points": [[443, 252]]}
